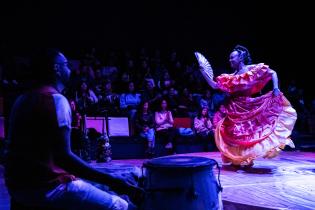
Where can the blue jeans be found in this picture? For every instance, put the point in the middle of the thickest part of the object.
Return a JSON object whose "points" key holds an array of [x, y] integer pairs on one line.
{"points": [[149, 135], [76, 195]]}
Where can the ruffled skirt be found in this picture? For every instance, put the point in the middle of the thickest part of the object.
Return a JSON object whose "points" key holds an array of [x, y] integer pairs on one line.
{"points": [[247, 128]]}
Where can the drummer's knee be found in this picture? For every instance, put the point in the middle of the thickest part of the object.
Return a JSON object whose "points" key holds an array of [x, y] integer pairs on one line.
{"points": [[119, 203]]}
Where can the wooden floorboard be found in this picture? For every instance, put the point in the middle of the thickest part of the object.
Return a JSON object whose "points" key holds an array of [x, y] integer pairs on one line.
{"points": [[285, 182]]}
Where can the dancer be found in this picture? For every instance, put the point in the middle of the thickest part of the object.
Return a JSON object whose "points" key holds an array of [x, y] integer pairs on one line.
{"points": [[248, 127]]}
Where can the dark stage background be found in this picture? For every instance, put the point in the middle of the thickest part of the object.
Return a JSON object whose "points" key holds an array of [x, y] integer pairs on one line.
{"points": [[279, 35]]}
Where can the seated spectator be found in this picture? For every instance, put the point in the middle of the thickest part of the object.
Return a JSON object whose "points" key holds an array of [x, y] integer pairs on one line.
{"points": [[207, 101], [86, 99], [172, 98], [145, 127], [187, 106], [151, 94], [98, 82], [108, 99], [218, 98], [76, 116], [87, 73], [130, 101], [204, 128], [164, 126], [76, 131], [166, 83], [110, 70]]}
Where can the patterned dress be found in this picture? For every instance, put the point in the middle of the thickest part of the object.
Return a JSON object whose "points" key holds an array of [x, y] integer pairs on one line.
{"points": [[250, 127]]}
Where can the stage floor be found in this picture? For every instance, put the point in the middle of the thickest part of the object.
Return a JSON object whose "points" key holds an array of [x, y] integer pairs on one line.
{"points": [[285, 182]]}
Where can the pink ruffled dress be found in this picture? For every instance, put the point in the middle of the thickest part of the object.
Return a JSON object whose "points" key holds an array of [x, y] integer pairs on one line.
{"points": [[247, 127]]}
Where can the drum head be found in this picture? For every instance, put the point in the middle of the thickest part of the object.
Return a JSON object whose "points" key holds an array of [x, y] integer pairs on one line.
{"points": [[179, 162]]}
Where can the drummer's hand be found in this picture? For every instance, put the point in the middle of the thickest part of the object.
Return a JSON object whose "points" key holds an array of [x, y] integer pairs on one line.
{"points": [[127, 184], [136, 195]]}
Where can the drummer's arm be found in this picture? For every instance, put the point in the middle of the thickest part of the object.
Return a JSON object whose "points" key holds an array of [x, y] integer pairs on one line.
{"points": [[72, 163]]}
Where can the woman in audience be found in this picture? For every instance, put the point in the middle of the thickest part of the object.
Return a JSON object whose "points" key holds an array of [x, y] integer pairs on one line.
{"points": [[164, 126], [86, 99], [130, 101], [145, 126], [204, 128]]}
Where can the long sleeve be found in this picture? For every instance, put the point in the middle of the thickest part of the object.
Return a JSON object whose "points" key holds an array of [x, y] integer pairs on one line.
{"points": [[122, 100], [170, 117], [199, 125], [159, 118], [163, 120], [94, 99], [209, 124]]}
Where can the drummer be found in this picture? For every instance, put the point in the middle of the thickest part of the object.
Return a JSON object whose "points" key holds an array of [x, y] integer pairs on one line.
{"points": [[41, 169]]}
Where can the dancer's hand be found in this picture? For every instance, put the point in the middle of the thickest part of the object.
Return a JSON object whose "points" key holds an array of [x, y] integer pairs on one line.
{"points": [[276, 91]]}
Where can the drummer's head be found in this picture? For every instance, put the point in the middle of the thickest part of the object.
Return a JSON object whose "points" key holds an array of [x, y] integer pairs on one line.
{"points": [[50, 66]]}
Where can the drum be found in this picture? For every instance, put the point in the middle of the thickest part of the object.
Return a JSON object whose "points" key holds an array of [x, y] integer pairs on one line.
{"points": [[181, 183]]}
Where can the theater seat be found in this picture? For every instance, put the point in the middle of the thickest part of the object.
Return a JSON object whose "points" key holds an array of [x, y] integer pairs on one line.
{"points": [[182, 122], [118, 126], [98, 123]]}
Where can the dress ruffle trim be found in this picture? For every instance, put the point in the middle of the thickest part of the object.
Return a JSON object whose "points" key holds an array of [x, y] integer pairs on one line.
{"points": [[257, 74], [268, 148]]}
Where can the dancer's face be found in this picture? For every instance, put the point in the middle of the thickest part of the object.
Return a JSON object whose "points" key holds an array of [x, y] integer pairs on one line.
{"points": [[235, 60]]}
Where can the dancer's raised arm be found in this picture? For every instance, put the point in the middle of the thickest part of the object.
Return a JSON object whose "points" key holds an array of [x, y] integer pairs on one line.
{"points": [[210, 81], [206, 70]]}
